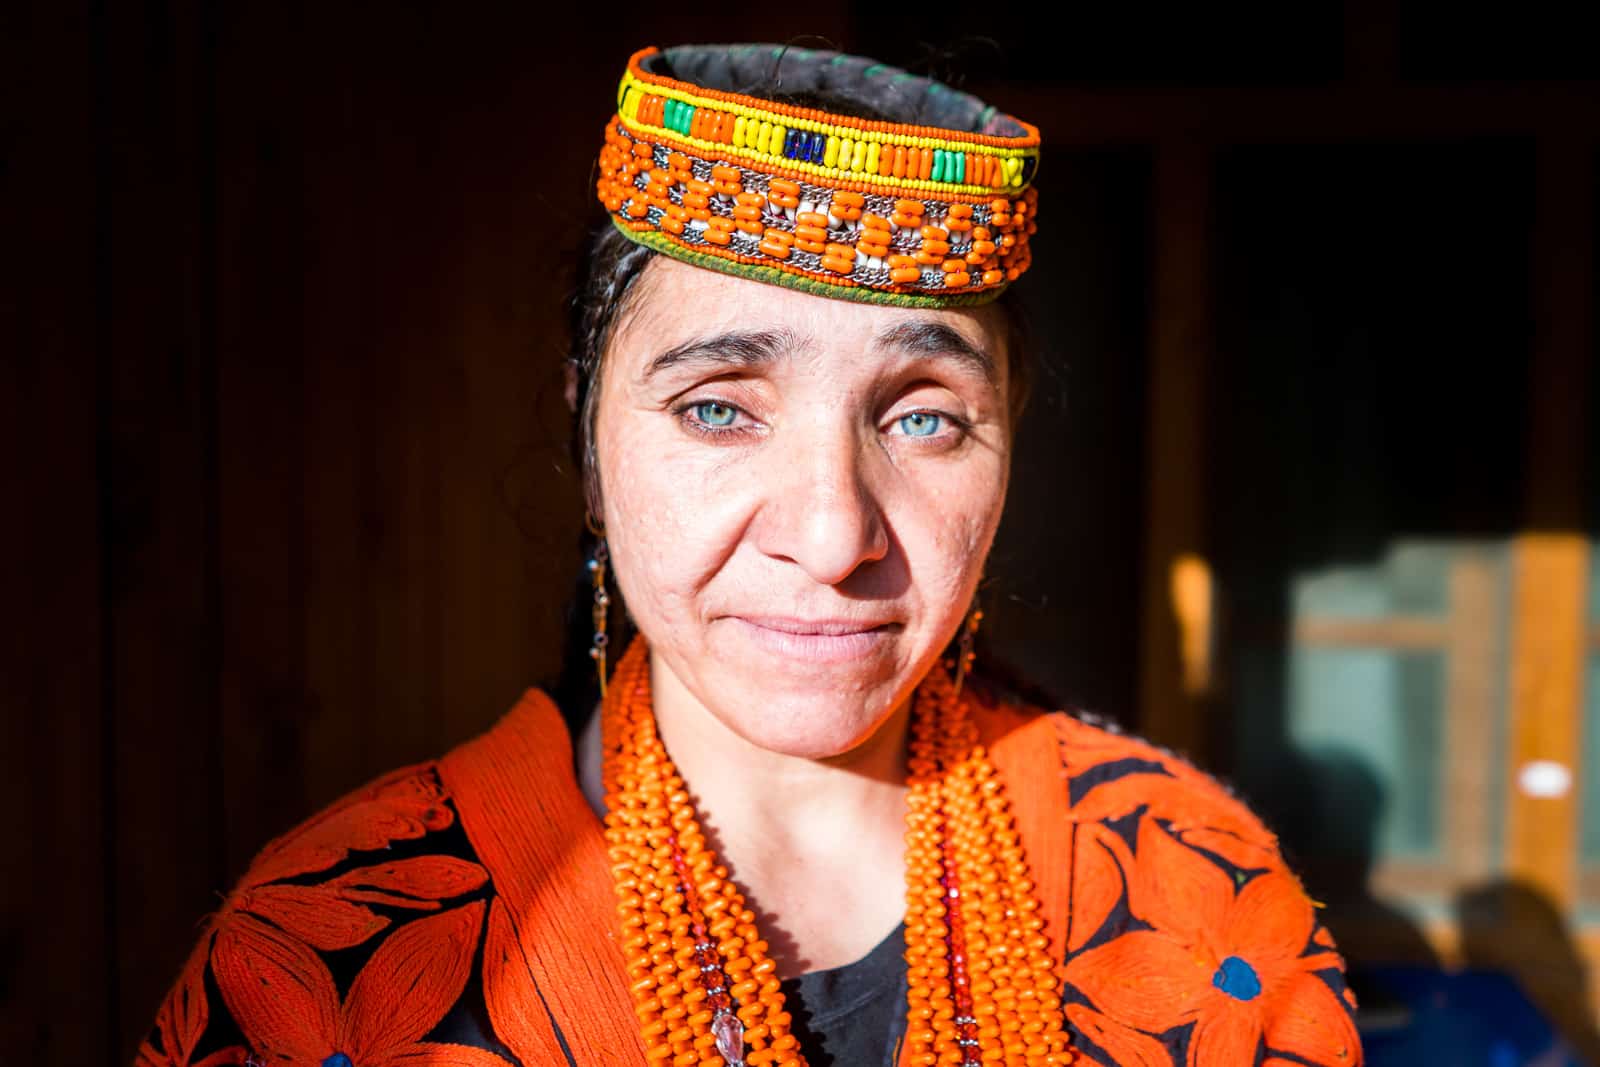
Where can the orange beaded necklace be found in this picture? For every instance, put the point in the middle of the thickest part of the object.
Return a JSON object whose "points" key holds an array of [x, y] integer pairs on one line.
{"points": [[982, 988]]}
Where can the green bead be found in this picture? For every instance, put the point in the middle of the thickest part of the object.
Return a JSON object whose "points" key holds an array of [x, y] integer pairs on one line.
{"points": [[937, 174], [961, 167]]}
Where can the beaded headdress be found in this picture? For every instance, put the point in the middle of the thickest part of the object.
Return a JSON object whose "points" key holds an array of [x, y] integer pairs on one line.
{"points": [[930, 206]]}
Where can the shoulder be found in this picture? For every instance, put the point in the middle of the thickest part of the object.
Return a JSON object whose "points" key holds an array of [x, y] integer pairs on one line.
{"points": [[1111, 775], [377, 895], [1189, 939]]}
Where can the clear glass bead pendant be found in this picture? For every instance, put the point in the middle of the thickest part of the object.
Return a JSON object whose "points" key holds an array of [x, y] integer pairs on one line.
{"points": [[729, 1032]]}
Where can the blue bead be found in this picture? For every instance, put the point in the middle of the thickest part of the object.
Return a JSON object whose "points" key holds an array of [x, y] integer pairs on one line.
{"points": [[338, 1059], [789, 143], [819, 145], [1237, 979]]}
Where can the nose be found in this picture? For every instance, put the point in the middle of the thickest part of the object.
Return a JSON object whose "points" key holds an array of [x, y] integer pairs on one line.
{"points": [[820, 513]]}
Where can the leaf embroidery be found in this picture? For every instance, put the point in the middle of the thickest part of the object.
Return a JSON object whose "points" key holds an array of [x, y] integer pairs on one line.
{"points": [[283, 997]]}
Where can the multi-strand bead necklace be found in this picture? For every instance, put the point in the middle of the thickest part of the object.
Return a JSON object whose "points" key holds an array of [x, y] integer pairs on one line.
{"points": [[982, 987]]}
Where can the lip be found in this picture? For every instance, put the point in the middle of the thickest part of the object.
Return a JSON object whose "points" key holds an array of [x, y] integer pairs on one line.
{"points": [[814, 640]]}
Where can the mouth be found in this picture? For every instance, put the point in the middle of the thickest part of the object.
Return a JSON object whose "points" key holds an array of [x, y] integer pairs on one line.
{"points": [[815, 640]]}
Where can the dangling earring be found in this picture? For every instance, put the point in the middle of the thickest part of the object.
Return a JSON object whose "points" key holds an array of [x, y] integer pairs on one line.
{"points": [[965, 655], [602, 601]]}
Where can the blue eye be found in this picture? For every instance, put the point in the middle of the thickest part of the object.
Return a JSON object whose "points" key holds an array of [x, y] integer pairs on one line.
{"points": [[920, 424], [715, 413]]}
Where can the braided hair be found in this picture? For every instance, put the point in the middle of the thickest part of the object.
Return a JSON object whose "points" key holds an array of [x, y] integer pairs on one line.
{"points": [[610, 266]]}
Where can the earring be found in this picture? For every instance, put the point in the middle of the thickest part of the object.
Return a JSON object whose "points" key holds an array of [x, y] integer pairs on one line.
{"points": [[602, 601], [965, 655]]}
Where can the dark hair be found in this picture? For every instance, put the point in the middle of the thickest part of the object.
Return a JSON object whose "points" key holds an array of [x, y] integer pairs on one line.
{"points": [[608, 268]]}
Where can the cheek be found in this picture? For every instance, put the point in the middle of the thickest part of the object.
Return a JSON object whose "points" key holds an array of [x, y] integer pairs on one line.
{"points": [[946, 530], [670, 520]]}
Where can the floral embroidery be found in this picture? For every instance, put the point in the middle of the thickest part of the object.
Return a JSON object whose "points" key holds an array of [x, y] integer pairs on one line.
{"points": [[1187, 939], [1168, 789], [262, 946], [282, 994], [401, 806], [1097, 887], [335, 915], [1217, 949], [182, 1021], [1126, 1046]]}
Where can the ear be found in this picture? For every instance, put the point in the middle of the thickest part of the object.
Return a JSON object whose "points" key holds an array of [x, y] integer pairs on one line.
{"points": [[571, 390]]}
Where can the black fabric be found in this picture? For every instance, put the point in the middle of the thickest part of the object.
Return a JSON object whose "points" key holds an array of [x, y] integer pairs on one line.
{"points": [[851, 1016], [855, 1015], [766, 70]]}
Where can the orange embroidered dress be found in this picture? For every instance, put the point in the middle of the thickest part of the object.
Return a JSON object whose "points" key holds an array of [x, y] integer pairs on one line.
{"points": [[461, 914]]}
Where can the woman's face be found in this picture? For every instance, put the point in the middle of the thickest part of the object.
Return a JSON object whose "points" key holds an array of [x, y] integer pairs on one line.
{"points": [[799, 494]]}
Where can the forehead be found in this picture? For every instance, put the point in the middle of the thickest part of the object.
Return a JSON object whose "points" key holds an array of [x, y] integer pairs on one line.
{"points": [[673, 302]]}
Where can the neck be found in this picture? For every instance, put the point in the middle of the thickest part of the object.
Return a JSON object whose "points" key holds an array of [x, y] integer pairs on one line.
{"points": [[749, 794], [796, 861]]}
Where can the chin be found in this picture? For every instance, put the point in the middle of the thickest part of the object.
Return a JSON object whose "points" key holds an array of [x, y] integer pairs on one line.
{"points": [[817, 724]]}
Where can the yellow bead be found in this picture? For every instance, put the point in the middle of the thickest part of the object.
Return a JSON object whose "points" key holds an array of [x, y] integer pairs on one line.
{"points": [[762, 136], [775, 142], [738, 131], [830, 154]]}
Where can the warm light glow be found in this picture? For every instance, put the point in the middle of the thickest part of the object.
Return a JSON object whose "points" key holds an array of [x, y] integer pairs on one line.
{"points": [[1192, 604]]}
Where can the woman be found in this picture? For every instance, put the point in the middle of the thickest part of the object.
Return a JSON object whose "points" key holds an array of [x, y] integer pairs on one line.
{"points": [[792, 832]]}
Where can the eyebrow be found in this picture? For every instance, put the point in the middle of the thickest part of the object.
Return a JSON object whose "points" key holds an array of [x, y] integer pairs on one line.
{"points": [[923, 337], [754, 348], [739, 348]]}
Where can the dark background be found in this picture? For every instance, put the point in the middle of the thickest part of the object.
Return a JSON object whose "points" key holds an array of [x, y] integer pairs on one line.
{"points": [[290, 495]]}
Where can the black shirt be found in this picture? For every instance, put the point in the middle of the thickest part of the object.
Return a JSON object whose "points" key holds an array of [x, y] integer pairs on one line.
{"points": [[851, 1016], [855, 1015]]}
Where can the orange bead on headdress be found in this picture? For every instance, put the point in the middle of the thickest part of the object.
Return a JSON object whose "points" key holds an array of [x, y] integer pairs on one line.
{"points": [[933, 208]]}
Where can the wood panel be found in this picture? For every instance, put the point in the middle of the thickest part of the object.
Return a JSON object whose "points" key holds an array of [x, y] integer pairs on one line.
{"points": [[264, 707], [1181, 339], [157, 467], [1393, 631], [56, 992], [1550, 573], [1551, 565], [339, 298]]}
